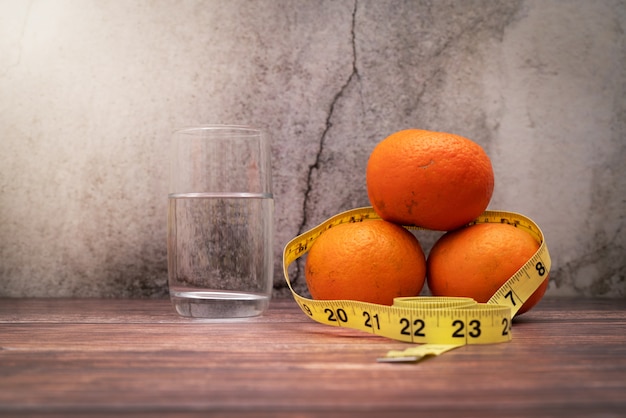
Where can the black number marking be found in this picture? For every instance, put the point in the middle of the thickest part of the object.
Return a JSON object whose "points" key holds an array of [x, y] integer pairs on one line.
{"points": [[307, 310], [506, 326], [341, 315], [368, 320], [475, 332], [331, 315], [515, 222], [418, 324], [458, 333], [540, 268], [509, 295], [299, 249], [407, 325]]}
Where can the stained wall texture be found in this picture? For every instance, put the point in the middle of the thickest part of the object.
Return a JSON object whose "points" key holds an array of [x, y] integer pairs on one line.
{"points": [[90, 92]]}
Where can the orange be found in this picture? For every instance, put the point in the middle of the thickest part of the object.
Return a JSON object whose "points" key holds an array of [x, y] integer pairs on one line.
{"points": [[476, 260], [372, 261], [435, 180]]}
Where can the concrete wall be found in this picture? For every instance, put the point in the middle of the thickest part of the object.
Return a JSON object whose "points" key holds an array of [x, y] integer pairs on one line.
{"points": [[90, 91]]}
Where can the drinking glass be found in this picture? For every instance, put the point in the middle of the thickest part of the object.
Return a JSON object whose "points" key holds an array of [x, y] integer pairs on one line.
{"points": [[220, 222]]}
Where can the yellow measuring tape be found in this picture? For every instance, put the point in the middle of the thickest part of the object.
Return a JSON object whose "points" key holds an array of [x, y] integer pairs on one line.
{"points": [[438, 323]]}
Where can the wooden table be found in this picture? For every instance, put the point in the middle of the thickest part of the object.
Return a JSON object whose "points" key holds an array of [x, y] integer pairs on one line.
{"points": [[137, 357]]}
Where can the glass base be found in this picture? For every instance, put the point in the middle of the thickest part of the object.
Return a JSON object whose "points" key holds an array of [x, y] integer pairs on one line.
{"points": [[219, 304]]}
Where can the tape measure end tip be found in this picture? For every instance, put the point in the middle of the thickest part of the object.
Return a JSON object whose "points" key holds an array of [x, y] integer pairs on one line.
{"points": [[407, 359]]}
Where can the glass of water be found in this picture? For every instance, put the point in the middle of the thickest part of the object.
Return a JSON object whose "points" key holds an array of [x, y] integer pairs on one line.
{"points": [[220, 222]]}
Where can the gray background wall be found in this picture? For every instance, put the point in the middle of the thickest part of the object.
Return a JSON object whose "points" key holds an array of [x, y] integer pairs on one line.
{"points": [[91, 90]]}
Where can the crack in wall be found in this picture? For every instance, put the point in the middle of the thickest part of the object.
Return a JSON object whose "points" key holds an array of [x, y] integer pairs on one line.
{"points": [[316, 164], [18, 60]]}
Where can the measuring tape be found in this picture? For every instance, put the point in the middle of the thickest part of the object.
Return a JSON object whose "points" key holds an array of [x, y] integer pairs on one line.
{"points": [[438, 323]]}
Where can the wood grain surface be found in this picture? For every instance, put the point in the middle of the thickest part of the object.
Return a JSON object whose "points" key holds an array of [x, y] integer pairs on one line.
{"points": [[105, 357]]}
